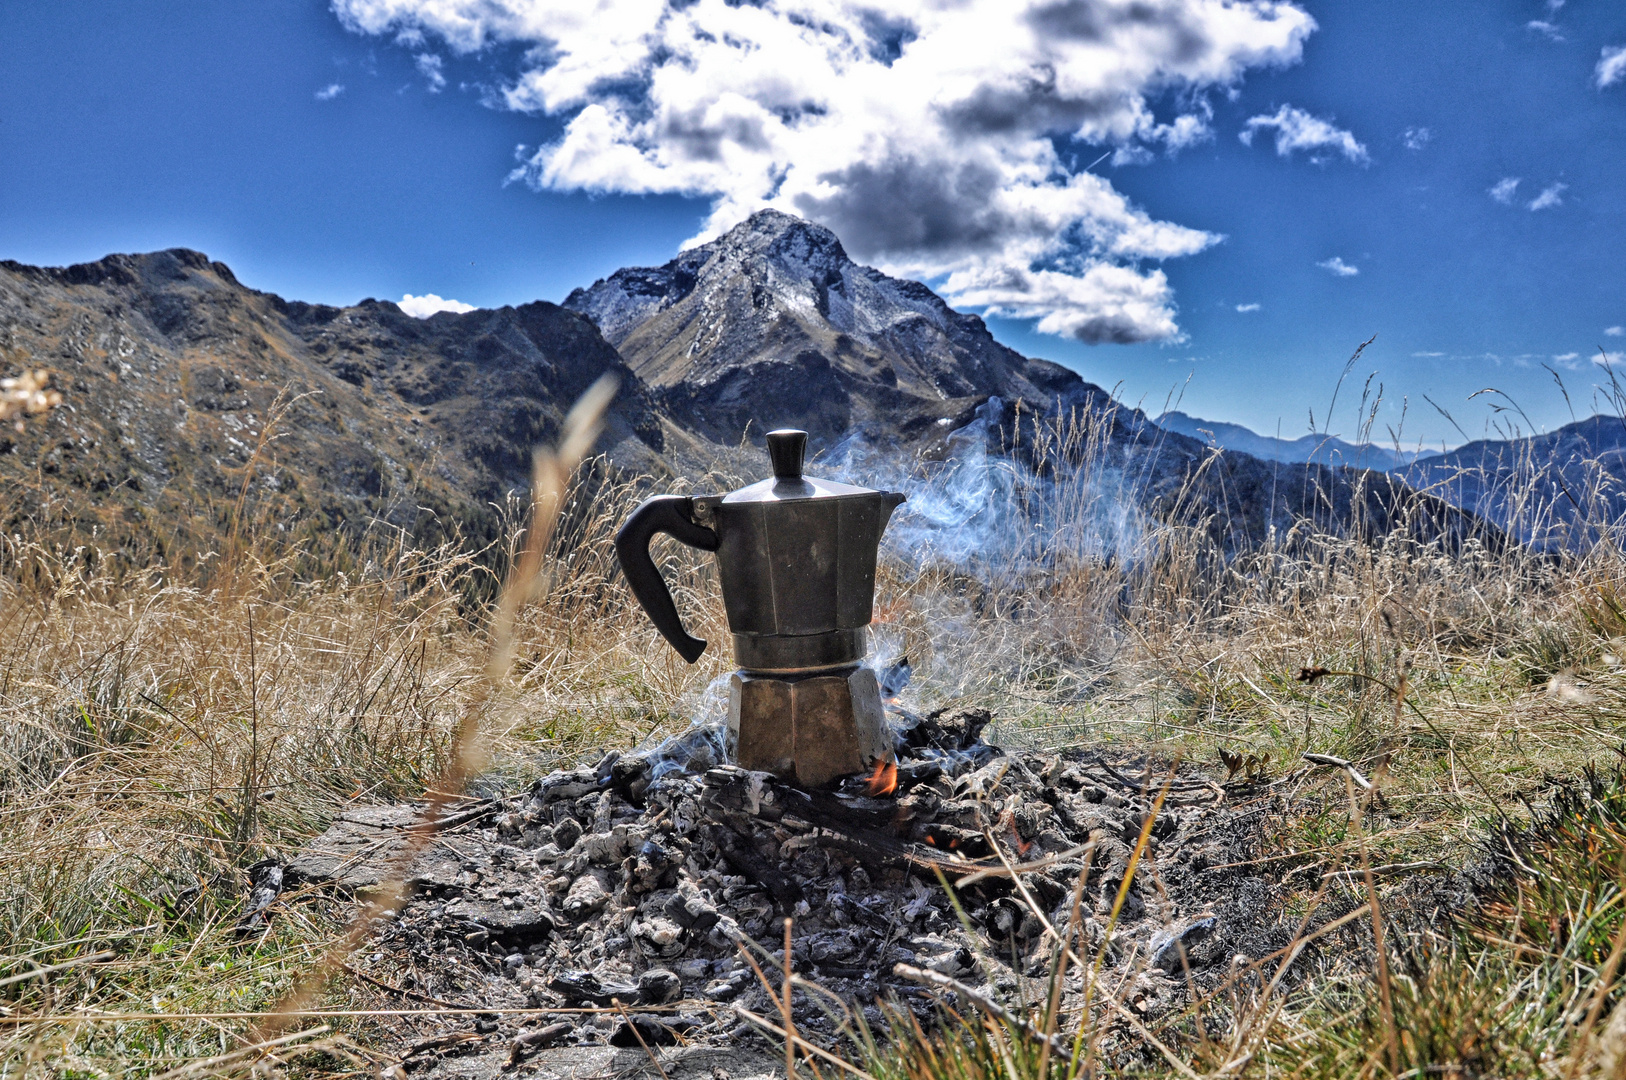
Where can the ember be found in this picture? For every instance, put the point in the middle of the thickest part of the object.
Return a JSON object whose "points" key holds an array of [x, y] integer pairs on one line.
{"points": [[884, 781], [646, 884]]}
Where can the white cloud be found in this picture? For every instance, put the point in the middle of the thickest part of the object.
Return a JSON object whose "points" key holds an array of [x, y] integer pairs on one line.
{"points": [[1607, 359], [1427, 355], [330, 91], [1566, 357], [1415, 138], [1503, 190], [1297, 130], [1245, 308], [925, 133], [1546, 29], [1611, 66], [1339, 267], [1614, 331], [429, 66], [421, 307], [1552, 195]]}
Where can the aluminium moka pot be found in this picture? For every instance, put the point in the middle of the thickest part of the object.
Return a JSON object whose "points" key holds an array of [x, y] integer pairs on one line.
{"points": [[796, 557]]}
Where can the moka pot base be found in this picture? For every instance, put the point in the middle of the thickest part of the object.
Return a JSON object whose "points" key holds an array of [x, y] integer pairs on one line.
{"points": [[808, 727]]}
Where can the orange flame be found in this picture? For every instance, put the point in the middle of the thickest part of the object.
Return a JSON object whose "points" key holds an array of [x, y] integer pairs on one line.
{"points": [[1022, 847], [884, 781]]}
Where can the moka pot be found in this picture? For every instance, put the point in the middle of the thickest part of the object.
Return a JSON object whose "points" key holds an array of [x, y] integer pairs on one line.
{"points": [[796, 558]]}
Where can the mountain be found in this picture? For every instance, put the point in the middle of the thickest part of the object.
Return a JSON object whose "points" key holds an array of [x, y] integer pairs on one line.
{"points": [[1323, 449], [199, 409], [772, 325], [196, 406], [1558, 489]]}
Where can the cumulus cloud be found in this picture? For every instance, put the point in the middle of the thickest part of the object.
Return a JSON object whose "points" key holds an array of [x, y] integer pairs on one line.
{"points": [[1548, 30], [1296, 129], [429, 66], [1245, 308], [330, 91], [421, 307], [1415, 138], [940, 140], [1611, 66], [1427, 355], [1614, 331], [1503, 190], [1338, 267], [1552, 195]]}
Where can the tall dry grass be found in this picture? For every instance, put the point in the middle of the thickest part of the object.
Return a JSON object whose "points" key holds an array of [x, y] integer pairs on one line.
{"points": [[162, 731]]}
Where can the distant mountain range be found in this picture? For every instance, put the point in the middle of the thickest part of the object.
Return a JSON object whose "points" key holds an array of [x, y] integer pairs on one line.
{"points": [[1323, 449], [1553, 489], [198, 409]]}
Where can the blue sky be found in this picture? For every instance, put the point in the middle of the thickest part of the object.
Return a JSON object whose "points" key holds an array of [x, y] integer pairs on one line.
{"points": [[135, 126]]}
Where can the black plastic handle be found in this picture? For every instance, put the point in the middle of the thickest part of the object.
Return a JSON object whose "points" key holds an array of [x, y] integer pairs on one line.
{"points": [[674, 516]]}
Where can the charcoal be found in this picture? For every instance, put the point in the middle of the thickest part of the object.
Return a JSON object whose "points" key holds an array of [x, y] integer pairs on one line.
{"points": [[640, 879], [566, 833], [657, 986], [652, 1030], [265, 880], [588, 894], [584, 987], [659, 936], [691, 912]]}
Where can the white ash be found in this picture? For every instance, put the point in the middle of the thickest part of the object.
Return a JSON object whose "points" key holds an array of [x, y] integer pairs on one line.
{"points": [[614, 884]]}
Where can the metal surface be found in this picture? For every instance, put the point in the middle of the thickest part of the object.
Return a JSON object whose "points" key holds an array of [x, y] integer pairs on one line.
{"points": [[795, 555], [810, 730], [804, 652]]}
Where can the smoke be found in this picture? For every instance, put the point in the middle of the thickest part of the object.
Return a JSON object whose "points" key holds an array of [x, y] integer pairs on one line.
{"points": [[984, 512], [979, 514], [998, 534]]}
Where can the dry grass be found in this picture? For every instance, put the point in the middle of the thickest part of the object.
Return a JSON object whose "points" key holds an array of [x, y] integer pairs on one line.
{"points": [[160, 733]]}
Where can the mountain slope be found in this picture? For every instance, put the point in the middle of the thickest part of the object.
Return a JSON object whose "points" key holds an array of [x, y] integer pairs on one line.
{"points": [[175, 374], [1555, 489], [198, 409], [772, 325]]}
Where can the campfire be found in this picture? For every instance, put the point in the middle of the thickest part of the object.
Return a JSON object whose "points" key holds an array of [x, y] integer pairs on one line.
{"points": [[881, 853], [647, 887]]}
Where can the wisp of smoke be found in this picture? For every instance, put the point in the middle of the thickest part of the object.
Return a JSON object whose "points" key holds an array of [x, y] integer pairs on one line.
{"points": [[989, 514]]}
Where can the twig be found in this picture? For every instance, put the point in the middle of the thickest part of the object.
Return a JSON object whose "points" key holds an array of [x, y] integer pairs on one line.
{"points": [[401, 990], [636, 1034], [1340, 763], [1392, 868], [225, 1059]]}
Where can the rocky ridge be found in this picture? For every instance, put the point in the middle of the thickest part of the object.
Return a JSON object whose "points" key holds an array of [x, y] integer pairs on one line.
{"points": [[773, 325]]}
